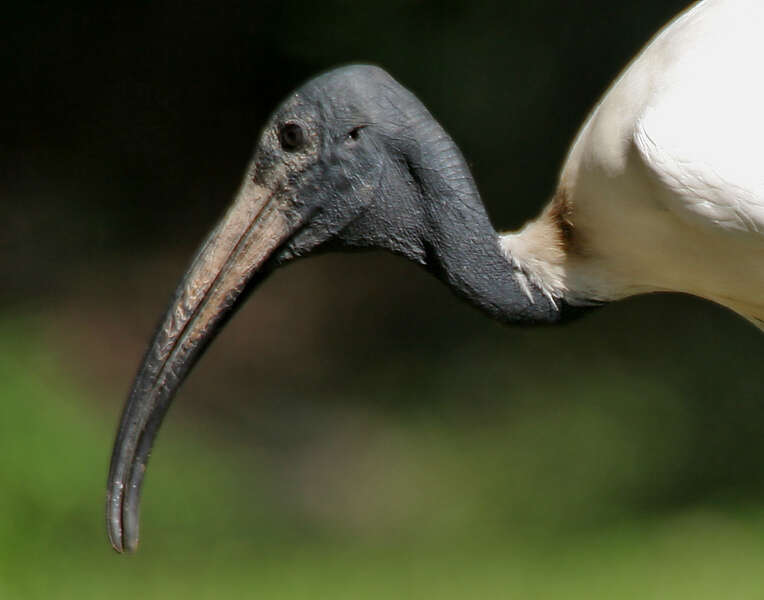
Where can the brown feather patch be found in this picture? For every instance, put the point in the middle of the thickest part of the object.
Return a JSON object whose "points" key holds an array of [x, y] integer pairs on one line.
{"points": [[560, 213]]}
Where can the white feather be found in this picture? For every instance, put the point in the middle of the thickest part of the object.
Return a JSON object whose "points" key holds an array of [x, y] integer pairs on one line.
{"points": [[665, 181]]}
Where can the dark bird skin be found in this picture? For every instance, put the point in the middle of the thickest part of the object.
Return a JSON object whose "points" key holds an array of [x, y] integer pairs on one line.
{"points": [[351, 160]]}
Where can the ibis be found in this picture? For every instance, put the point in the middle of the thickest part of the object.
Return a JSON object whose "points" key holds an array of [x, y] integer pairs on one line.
{"points": [[662, 190]]}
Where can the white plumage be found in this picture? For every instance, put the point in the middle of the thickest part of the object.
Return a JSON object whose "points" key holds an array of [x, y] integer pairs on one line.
{"points": [[663, 188]]}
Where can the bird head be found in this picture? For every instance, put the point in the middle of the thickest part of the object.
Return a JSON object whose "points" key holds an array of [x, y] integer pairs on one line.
{"points": [[349, 160], [337, 162], [340, 163]]}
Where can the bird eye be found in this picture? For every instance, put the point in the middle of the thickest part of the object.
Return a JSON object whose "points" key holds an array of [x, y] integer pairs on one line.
{"points": [[291, 136], [355, 133]]}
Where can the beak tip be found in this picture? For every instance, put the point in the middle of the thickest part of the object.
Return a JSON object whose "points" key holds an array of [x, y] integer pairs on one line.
{"points": [[121, 542], [122, 539], [115, 538]]}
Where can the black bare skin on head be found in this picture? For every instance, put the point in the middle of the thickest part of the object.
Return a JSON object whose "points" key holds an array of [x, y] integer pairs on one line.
{"points": [[350, 160], [377, 171]]}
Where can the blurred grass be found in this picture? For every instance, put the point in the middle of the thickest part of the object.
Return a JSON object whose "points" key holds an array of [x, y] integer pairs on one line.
{"points": [[541, 505]]}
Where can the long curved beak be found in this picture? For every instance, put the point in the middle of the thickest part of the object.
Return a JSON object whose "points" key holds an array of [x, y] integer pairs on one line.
{"points": [[228, 262]]}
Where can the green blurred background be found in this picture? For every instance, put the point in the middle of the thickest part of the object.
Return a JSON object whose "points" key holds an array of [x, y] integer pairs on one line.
{"points": [[356, 432]]}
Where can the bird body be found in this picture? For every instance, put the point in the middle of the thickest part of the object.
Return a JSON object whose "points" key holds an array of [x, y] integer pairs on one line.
{"points": [[663, 189]]}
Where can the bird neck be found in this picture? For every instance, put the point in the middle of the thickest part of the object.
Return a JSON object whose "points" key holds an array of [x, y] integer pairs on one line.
{"points": [[460, 245]]}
